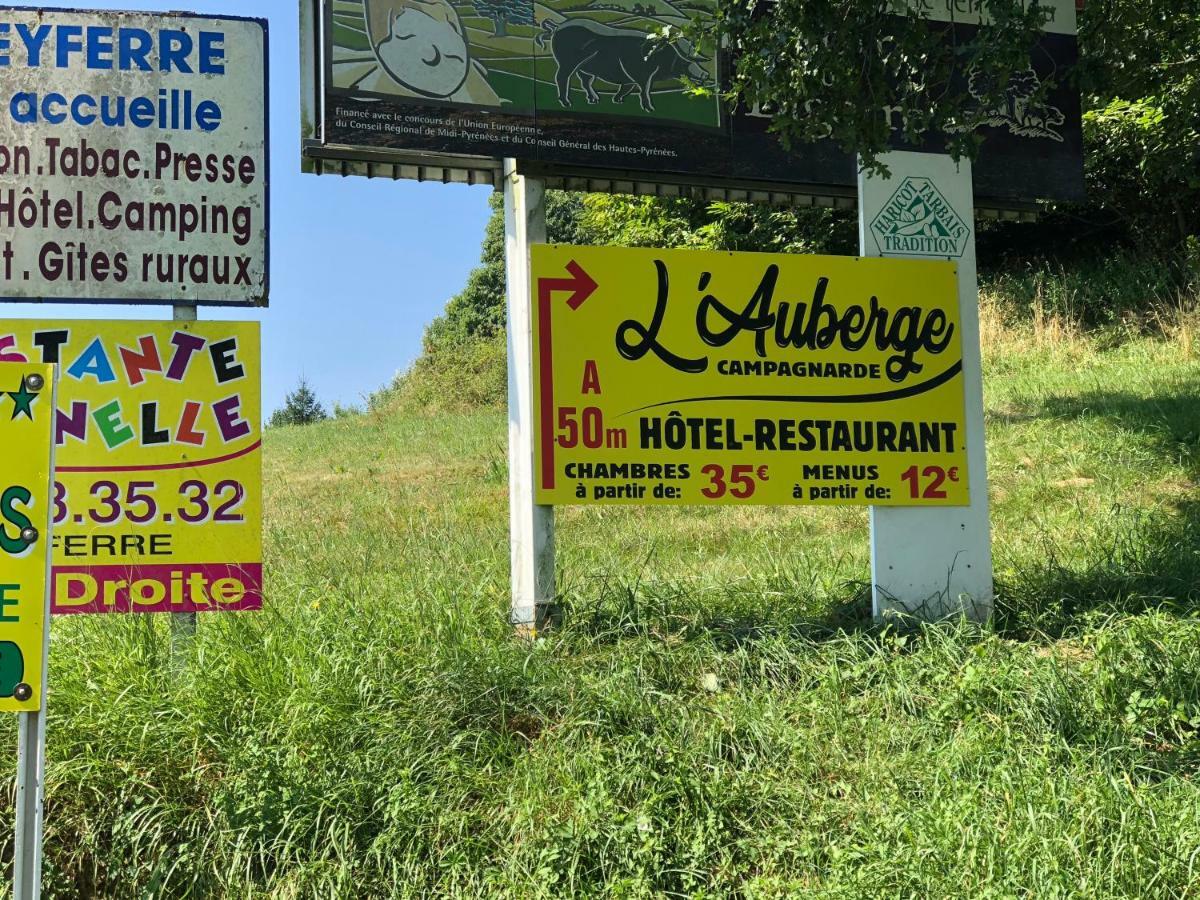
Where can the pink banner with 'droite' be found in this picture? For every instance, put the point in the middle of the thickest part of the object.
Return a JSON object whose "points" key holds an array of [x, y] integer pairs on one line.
{"points": [[157, 501], [157, 588]]}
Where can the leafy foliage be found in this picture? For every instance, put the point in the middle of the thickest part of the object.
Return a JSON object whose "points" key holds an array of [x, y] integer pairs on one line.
{"points": [[829, 70], [849, 70], [1144, 169], [1141, 69], [653, 222], [478, 310], [300, 407], [1133, 49]]}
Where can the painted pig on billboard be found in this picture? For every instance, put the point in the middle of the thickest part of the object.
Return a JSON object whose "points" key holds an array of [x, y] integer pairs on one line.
{"points": [[626, 58]]}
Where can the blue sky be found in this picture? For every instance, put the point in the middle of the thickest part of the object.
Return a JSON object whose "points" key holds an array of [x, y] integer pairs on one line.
{"points": [[358, 267]]}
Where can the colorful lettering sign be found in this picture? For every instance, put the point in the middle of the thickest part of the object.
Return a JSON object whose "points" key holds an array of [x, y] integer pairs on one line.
{"points": [[157, 502], [133, 157], [591, 91], [26, 429], [695, 377]]}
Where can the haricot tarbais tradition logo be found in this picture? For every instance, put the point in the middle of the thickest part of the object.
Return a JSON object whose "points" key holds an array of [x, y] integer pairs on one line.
{"points": [[920, 221]]}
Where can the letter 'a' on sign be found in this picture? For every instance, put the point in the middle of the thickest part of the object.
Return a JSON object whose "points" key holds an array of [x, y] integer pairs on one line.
{"points": [[26, 440], [696, 377], [157, 505]]}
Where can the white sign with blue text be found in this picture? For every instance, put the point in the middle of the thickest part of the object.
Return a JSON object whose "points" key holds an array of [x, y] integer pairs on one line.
{"points": [[133, 157]]}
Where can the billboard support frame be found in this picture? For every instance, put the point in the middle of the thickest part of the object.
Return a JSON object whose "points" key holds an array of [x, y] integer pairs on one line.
{"points": [[531, 525]]}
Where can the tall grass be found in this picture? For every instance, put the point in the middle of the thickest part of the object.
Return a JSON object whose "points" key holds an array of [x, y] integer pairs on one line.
{"points": [[1103, 291], [716, 717]]}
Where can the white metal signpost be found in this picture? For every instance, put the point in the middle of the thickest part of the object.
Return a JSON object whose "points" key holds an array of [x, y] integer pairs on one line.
{"points": [[925, 561], [532, 525]]}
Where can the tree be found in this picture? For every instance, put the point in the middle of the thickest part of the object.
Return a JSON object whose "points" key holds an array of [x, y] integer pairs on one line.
{"points": [[504, 13], [825, 70], [478, 310], [829, 70], [715, 225], [300, 407], [1141, 75]]}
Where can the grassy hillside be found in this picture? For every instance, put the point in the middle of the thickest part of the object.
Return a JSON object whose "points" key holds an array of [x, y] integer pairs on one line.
{"points": [[716, 718]]}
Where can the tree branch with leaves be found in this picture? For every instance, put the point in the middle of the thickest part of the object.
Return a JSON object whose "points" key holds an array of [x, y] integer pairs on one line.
{"points": [[856, 71]]}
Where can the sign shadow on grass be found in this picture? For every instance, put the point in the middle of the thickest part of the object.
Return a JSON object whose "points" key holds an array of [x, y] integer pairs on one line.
{"points": [[1152, 559]]}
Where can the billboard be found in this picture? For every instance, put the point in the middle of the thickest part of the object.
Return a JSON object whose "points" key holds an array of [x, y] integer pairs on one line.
{"points": [[26, 426], [157, 503], [702, 377], [134, 163], [568, 87]]}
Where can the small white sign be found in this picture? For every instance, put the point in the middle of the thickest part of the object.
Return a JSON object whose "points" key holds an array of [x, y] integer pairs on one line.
{"points": [[133, 158]]}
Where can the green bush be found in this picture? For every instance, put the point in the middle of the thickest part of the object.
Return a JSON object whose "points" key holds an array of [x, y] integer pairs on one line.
{"points": [[1089, 292], [468, 374], [478, 310], [664, 222]]}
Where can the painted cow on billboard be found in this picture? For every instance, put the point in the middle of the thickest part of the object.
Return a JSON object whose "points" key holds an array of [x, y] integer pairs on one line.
{"points": [[623, 57]]}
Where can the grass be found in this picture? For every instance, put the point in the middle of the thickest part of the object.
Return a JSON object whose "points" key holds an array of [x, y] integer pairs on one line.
{"points": [[715, 718]]}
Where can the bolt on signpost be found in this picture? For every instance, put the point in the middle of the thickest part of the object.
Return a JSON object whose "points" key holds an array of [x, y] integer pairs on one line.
{"points": [[26, 476], [932, 561]]}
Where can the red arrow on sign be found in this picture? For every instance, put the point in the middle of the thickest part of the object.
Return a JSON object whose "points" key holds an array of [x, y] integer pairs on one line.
{"points": [[581, 285]]}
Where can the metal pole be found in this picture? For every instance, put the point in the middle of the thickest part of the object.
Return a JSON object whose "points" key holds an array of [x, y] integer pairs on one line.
{"points": [[183, 625], [531, 526], [31, 737], [31, 767], [933, 562]]}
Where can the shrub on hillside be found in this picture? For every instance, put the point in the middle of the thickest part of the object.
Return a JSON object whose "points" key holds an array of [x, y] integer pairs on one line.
{"points": [[669, 222], [478, 310], [300, 407], [1089, 292], [468, 374]]}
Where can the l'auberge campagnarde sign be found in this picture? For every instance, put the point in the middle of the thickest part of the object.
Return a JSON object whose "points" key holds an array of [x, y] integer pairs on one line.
{"points": [[699, 377], [133, 157]]}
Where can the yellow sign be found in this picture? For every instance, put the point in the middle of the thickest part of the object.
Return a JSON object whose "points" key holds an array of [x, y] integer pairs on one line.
{"points": [[696, 377], [26, 422], [157, 504]]}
